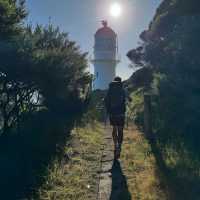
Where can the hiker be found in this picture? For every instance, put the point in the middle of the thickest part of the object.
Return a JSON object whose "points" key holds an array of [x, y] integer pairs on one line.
{"points": [[115, 102]]}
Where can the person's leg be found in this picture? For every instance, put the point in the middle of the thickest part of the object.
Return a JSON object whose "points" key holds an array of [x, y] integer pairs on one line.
{"points": [[115, 137], [119, 141], [120, 135]]}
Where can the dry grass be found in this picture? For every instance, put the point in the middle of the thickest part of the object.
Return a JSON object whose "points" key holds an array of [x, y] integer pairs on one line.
{"points": [[77, 178], [139, 167]]}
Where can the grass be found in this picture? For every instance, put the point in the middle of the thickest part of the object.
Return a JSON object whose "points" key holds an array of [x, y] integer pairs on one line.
{"points": [[174, 159], [139, 166], [142, 168], [75, 178]]}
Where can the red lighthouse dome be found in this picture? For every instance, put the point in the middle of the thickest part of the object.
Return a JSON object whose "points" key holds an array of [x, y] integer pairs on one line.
{"points": [[105, 31]]}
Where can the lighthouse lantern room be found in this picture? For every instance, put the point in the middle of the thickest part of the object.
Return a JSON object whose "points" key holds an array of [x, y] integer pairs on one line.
{"points": [[105, 57]]}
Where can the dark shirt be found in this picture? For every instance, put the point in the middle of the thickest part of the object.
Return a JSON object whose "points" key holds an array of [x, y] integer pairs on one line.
{"points": [[115, 100]]}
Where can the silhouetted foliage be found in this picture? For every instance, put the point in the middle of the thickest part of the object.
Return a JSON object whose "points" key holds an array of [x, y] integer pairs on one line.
{"points": [[41, 67], [44, 85], [12, 12], [171, 50]]}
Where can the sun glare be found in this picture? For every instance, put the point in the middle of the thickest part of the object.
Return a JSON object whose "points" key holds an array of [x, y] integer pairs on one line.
{"points": [[115, 10]]}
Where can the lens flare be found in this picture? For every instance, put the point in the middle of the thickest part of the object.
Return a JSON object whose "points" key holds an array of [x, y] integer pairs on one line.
{"points": [[115, 10]]}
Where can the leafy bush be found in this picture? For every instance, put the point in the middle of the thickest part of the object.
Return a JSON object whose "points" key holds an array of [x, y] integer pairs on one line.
{"points": [[171, 50], [44, 85]]}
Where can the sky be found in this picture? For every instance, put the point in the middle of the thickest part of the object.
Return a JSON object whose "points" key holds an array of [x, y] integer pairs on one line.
{"points": [[81, 19]]}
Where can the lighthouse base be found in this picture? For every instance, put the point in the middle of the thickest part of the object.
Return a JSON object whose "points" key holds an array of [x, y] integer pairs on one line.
{"points": [[104, 75]]}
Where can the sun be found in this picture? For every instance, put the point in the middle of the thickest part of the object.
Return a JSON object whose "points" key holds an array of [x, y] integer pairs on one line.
{"points": [[115, 10]]}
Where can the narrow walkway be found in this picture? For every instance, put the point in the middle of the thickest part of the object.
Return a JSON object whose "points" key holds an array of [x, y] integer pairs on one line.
{"points": [[135, 175], [105, 179], [91, 174], [112, 182]]}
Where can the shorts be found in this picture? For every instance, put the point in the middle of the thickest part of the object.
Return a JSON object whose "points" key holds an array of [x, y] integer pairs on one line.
{"points": [[117, 120]]}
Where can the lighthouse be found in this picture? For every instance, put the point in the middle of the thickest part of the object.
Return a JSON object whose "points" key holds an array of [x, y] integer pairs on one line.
{"points": [[105, 57]]}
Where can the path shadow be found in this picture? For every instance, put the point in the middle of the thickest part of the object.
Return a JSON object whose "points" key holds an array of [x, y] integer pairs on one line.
{"points": [[182, 187], [119, 183], [25, 157]]}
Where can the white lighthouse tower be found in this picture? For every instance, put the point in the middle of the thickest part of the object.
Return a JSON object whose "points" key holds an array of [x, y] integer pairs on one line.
{"points": [[105, 57]]}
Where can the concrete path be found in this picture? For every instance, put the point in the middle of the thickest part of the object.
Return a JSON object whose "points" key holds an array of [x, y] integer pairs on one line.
{"points": [[105, 177], [112, 182]]}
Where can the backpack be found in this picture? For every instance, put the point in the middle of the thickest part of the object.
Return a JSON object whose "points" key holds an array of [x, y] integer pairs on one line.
{"points": [[115, 100]]}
